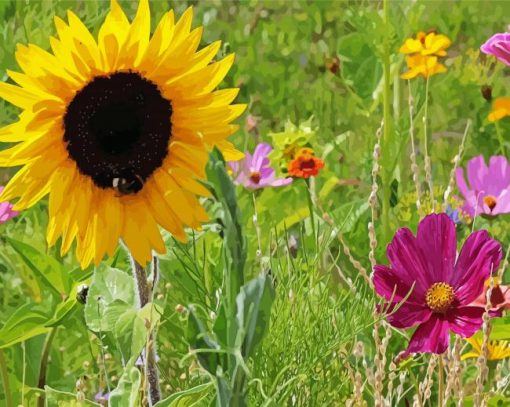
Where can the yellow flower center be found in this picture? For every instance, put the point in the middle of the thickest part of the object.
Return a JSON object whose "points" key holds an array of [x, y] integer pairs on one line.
{"points": [[439, 297], [490, 201], [255, 177]]}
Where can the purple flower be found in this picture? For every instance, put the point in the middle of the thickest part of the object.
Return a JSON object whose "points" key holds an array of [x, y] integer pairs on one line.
{"points": [[255, 172], [6, 211], [488, 192], [439, 286], [102, 398], [453, 214], [499, 46]]}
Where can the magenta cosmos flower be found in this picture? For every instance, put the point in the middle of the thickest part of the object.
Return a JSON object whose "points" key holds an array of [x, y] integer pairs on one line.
{"points": [[255, 172], [499, 46], [6, 211], [441, 287], [489, 186]]}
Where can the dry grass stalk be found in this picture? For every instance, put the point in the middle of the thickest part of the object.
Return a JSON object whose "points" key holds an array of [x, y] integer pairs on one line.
{"points": [[372, 200], [456, 162], [481, 362], [426, 386]]}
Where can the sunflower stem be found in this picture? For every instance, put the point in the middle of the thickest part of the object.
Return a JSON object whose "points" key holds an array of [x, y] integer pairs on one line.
{"points": [[41, 381], [145, 292], [5, 380]]}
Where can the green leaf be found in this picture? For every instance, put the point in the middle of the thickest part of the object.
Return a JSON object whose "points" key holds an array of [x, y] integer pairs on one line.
{"points": [[130, 333], [200, 338], [111, 294], [63, 311], [55, 398], [254, 311], [500, 329], [126, 393], [26, 322], [187, 398], [43, 266]]}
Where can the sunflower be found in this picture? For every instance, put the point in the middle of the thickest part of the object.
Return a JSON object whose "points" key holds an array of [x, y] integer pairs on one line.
{"points": [[117, 131]]}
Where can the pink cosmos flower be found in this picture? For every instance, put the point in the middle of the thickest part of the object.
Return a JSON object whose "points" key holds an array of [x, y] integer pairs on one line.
{"points": [[254, 172], [500, 298], [499, 46], [489, 187], [441, 287], [6, 211]]}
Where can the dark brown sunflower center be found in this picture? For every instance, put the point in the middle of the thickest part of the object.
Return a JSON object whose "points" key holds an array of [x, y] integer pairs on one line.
{"points": [[117, 130]]}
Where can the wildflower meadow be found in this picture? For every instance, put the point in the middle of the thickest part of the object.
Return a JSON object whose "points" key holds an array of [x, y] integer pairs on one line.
{"points": [[254, 203]]}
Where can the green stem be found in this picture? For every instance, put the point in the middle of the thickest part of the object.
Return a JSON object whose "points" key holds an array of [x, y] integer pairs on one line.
{"points": [[310, 209], [257, 230], [5, 380], [440, 378], [500, 138], [387, 133], [41, 381]]}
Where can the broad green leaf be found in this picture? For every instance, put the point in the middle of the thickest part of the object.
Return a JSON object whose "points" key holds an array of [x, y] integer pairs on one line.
{"points": [[63, 311], [131, 334], [187, 398], [253, 312], [111, 294], [43, 266], [126, 393], [199, 337], [500, 329], [296, 217], [55, 398], [28, 321]]}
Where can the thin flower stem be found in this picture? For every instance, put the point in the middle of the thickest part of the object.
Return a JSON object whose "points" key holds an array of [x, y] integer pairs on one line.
{"points": [[310, 208], [440, 379], [23, 379], [414, 165], [257, 230], [5, 380], [456, 161], [101, 346], [500, 138], [41, 381], [428, 165], [144, 294], [387, 131]]}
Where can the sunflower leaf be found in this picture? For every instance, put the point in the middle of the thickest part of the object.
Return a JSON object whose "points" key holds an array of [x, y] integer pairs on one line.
{"points": [[45, 267]]}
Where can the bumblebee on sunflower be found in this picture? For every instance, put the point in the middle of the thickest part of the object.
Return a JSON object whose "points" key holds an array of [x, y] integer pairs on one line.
{"points": [[117, 131]]}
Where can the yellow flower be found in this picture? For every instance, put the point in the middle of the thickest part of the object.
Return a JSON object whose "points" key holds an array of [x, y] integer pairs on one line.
{"points": [[116, 131], [421, 65], [426, 44], [496, 349], [500, 109]]}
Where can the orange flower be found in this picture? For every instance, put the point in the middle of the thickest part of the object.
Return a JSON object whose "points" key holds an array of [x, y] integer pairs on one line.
{"points": [[305, 164], [500, 109]]}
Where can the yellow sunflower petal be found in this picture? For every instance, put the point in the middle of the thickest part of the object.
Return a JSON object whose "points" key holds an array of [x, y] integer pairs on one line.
{"points": [[140, 231], [137, 38], [112, 35], [84, 43]]}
